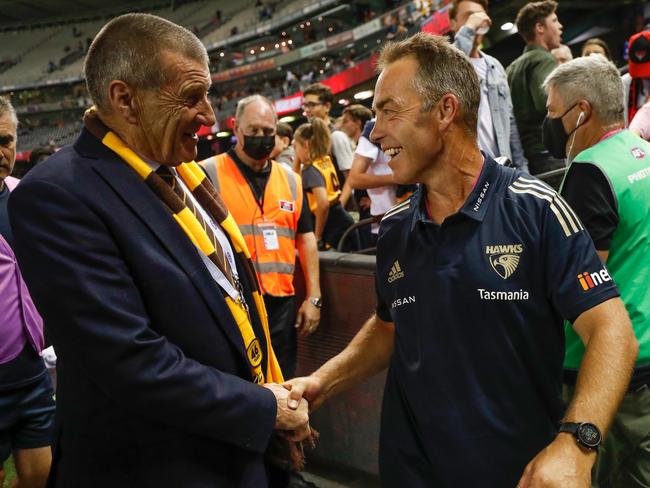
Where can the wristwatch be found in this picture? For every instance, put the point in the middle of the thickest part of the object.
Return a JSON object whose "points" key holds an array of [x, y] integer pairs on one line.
{"points": [[316, 302], [587, 435]]}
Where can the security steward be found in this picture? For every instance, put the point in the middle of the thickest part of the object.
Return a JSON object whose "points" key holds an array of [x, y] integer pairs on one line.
{"points": [[266, 200], [607, 184]]}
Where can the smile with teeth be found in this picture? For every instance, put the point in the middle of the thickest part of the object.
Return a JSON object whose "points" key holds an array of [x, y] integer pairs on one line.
{"points": [[392, 151]]}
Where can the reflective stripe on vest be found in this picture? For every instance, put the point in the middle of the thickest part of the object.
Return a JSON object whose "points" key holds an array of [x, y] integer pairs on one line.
{"points": [[282, 205]]}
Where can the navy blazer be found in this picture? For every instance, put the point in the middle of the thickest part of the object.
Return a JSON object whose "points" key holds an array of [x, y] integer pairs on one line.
{"points": [[154, 386]]}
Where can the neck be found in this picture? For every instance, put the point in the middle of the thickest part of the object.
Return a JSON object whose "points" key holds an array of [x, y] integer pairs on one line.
{"points": [[540, 43], [593, 136], [128, 136], [474, 53], [253, 164], [452, 178], [326, 119]]}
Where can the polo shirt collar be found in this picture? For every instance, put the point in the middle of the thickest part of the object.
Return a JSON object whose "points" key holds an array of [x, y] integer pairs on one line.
{"points": [[534, 47], [478, 201]]}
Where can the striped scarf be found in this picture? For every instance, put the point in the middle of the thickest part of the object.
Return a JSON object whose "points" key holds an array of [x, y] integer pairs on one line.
{"points": [[200, 187]]}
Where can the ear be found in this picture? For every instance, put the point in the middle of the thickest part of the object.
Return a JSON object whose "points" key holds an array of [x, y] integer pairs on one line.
{"points": [[540, 27], [121, 98], [586, 108], [328, 106], [447, 111]]}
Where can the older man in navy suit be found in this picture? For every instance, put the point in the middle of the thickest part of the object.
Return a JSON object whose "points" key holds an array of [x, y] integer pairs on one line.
{"points": [[165, 372]]}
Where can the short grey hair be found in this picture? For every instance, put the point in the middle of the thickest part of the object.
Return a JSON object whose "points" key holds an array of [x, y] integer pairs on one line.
{"points": [[6, 108], [591, 78], [129, 48], [246, 101], [441, 69]]}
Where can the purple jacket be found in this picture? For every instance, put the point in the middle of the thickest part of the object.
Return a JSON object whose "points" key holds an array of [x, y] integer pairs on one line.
{"points": [[19, 320]]}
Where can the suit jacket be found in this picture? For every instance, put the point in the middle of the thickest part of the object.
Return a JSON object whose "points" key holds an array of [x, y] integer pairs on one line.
{"points": [[154, 387]]}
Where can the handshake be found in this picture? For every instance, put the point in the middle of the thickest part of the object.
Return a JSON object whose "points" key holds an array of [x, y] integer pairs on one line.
{"points": [[296, 399]]}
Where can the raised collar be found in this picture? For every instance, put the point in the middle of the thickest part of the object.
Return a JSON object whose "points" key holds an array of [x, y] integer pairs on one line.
{"points": [[477, 203], [535, 47]]}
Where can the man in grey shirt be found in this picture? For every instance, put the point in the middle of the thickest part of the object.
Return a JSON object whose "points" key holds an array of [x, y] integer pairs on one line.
{"points": [[497, 128]]}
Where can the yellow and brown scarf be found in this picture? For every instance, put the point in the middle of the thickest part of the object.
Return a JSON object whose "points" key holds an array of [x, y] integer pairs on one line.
{"points": [[209, 199]]}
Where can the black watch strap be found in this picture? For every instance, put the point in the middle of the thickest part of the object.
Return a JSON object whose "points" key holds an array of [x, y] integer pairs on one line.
{"points": [[588, 435]]}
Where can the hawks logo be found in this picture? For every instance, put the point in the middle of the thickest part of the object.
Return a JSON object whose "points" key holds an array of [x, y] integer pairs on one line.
{"points": [[504, 259]]}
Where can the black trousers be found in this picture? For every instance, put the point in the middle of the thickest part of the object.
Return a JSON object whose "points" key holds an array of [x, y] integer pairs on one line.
{"points": [[282, 318]]}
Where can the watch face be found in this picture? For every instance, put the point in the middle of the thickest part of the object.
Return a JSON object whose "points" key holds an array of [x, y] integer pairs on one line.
{"points": [[589, 435]]}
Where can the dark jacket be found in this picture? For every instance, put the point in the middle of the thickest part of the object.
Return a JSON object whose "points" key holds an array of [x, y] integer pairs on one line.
{"points": [[153, 384]]}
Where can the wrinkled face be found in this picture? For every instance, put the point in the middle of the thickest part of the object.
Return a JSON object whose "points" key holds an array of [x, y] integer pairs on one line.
{"points": [[594, 49], [552, 35], [313, 107], [410, 137], [351, 126], [7, 146], [170, 117]]}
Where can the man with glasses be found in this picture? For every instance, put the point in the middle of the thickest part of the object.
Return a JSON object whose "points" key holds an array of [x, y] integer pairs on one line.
{"points": [[318, 99]]}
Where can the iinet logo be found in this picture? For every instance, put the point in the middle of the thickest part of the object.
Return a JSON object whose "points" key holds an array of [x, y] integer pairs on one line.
{"points": [[592, 280], [395, 272]]}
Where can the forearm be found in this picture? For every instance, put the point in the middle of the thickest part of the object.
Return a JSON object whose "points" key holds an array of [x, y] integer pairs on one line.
{"points": [[308, 254], [366, 355], [345, 193], [366, 181], [610, 353], [320, 218]]}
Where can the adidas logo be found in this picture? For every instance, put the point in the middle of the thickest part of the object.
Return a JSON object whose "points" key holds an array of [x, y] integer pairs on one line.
{"points": [[395, 272]]}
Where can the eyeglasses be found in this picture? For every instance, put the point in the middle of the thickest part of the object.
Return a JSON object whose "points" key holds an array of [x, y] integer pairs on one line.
{"points": [[311, 105]]}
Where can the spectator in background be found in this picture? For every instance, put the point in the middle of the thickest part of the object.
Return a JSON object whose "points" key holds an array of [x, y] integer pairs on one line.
{"points": [[370, 172], [636, 82], [540, 28], [283, 151], [596, 46], [607, 185], [319, 179], [640, 124], [562, 54], [26, 395], [353, 120], [318, 100], [497, 127], [266, 201]]}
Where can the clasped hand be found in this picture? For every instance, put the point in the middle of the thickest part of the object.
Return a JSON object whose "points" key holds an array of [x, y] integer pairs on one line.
{"points": [[292, 421]]}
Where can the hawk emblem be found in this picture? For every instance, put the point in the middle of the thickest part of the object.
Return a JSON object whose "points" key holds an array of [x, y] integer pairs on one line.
{"points": [[504, 264]]}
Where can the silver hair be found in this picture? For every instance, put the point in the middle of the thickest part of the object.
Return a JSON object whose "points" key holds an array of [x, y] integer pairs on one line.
{"points": [[129, 49], [6, 108], [591, 78], [246, 101]]}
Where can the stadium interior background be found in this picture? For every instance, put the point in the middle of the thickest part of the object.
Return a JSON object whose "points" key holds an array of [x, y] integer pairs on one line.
{"points": [[271, 47]]}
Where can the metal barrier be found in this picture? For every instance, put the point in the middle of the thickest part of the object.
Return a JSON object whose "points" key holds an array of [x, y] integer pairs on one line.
{"points": [[348, 423]]}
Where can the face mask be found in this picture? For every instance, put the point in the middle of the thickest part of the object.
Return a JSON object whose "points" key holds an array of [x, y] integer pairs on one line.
{"points": [[259, 147], [554, 137]]}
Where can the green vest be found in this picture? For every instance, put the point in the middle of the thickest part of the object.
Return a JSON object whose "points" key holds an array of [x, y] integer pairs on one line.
{"points": [[624, 158]]}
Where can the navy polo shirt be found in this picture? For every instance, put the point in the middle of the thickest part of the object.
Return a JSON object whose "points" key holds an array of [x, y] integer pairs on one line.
{"points": [[473, 392]]}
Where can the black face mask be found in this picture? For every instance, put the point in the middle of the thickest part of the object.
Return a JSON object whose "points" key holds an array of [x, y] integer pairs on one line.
{"points": [[259, 147], [554, 137]]}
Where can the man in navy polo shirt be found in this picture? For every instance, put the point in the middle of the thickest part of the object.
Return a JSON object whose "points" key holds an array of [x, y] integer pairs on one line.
{"points": [[475, 273]]}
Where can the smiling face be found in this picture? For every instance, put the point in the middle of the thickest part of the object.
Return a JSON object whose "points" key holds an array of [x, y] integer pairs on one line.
{"points": [[169, 117], [410, 137], [7, 146]]}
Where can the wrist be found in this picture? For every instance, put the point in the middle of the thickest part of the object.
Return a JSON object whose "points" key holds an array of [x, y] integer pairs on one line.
{"points": [[570, 443]]}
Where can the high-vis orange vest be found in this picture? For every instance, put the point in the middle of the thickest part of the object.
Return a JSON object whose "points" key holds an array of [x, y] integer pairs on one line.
{"points": [[269, 227]]}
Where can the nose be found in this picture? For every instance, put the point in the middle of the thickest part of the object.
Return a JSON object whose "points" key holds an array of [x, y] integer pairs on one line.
{"points": [[377, 132], [206, 115]]}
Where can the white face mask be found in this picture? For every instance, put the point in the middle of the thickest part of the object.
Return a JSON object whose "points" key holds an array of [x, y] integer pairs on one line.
{"points": [[484, 29]]}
